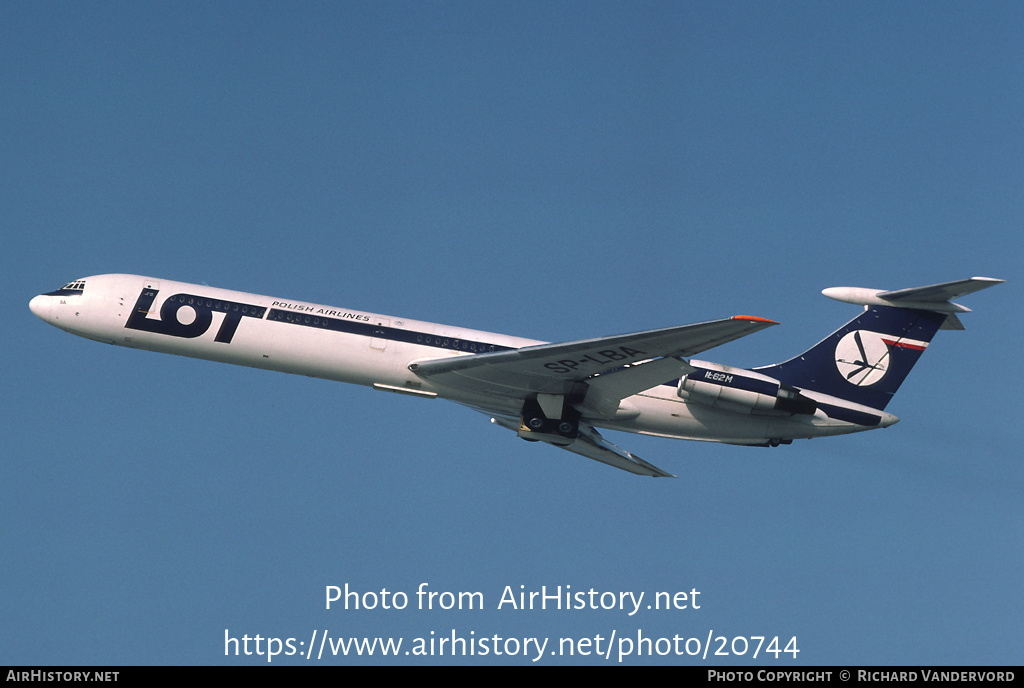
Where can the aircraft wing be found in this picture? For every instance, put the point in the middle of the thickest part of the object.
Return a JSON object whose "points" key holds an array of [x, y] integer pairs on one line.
{"points": [[620, 365], [592, 445]]}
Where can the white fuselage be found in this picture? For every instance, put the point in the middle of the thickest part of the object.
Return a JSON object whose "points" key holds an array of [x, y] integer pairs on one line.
{"points": [[366, 349]]}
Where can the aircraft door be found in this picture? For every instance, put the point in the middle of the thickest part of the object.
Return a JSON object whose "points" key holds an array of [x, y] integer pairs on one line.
{"points": [[130, 299], [153, 285], [378, 339]]}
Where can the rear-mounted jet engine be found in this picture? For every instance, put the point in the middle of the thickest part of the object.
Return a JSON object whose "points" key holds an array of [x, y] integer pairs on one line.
{"points": [[742, 391]]}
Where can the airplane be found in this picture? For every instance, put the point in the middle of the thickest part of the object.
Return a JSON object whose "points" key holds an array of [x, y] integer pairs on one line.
{"points": [[557, 393]]}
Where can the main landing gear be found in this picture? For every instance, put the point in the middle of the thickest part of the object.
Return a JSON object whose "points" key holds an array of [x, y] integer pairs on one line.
{"points": [[549, 419]]}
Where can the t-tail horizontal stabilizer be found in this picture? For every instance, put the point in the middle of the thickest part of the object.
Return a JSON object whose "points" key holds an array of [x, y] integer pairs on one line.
{"points": [[934, 297]]}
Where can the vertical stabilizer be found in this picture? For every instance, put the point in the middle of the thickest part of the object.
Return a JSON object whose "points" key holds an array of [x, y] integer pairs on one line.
{"points": [[867, 359]]}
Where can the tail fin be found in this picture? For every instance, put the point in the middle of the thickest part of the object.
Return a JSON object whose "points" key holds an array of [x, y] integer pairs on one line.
{"points": [[866, 360]]}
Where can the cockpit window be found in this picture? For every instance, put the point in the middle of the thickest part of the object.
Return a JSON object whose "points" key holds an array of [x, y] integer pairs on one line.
{"points": [[70, 289]]}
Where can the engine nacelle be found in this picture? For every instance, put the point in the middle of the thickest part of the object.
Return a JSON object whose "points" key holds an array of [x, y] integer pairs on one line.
{"points": [[742, 391]]}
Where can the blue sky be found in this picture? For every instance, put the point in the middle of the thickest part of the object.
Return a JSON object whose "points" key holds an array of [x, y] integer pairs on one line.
{"points": [[550, 170]]}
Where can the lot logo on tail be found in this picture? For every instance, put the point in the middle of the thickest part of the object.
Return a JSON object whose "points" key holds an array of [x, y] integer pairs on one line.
{"points": [[862, 357]]}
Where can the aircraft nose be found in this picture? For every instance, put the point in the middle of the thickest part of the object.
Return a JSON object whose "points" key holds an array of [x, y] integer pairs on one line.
{"points": [[40, 305]]}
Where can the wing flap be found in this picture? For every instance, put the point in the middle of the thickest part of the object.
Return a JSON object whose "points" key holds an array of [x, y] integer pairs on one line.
{"points": [[607, 390]]}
